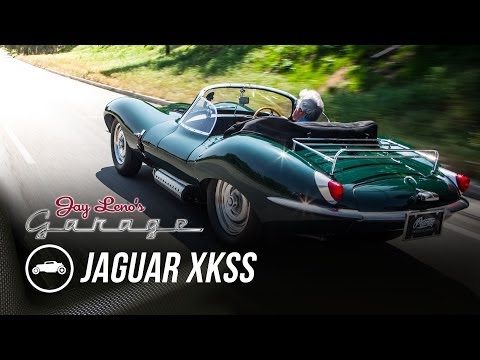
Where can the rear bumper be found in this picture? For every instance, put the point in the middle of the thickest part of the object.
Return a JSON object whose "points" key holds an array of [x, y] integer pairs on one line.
{"points": [[355, 215]]}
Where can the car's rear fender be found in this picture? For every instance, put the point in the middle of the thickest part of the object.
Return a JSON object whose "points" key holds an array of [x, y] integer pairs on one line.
{"points": [[259, 169]]}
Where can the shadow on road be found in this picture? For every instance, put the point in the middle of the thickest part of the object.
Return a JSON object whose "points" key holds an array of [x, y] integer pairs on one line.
{"points": [[162, 205], [300, 275]]}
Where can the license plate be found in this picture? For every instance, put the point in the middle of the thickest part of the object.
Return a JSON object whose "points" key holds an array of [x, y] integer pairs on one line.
{"points": [[423, 224]]}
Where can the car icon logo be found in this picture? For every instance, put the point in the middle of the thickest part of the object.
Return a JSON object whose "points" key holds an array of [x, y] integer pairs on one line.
{"points": [[49, 267]]}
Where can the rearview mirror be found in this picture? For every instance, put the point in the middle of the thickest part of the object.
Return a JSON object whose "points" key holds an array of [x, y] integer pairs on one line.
{"points": [[242, 100]]}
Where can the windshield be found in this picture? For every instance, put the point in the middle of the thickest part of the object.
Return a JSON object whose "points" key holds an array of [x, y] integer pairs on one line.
{"points": [[200, 117], [218, 108], [250, 100]]}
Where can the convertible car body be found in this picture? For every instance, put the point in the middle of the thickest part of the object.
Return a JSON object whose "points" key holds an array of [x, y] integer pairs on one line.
{"points": [[235, 148]]}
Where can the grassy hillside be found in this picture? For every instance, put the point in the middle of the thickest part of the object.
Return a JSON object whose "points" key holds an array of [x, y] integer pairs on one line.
{"points": [[423, 95], [180, 75]]}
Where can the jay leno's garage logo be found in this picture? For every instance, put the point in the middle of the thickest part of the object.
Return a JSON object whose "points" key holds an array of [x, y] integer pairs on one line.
{"points": [[49, 268]]}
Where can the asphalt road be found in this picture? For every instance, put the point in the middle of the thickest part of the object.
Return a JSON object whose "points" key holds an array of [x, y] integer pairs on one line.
{"points": [[54, 142]]}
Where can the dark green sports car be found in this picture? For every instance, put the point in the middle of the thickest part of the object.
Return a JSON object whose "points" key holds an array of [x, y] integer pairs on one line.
{"points": [[236, 149]]}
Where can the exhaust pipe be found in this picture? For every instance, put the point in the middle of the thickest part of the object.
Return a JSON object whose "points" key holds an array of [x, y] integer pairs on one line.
{"points": [[175, 186]]}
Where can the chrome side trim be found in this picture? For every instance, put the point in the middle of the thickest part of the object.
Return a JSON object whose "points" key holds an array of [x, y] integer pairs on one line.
{"points": [[322, 183], [452, 176], [361, 215], [315, 209], [169, 182]]}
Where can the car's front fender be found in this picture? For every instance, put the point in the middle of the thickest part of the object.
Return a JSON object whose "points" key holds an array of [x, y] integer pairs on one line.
{"points": [[134, 115]]}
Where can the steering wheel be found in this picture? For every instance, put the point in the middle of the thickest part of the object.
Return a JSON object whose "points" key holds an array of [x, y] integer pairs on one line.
{"points": [[272, 110]]}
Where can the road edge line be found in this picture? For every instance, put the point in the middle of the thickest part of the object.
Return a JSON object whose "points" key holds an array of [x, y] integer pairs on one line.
{"points": [[20, 147]]}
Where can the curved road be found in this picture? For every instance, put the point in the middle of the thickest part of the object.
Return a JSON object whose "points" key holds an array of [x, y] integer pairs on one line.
{"points": [[54, 142]]}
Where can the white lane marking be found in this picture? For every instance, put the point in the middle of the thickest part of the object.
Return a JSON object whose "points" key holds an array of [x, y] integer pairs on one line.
{"points": [[462, 231], [28, 158]]}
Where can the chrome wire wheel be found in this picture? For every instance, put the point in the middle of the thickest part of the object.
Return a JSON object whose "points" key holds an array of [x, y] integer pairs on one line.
{"points": [[119, 144], [124, 158], [232, 208]]}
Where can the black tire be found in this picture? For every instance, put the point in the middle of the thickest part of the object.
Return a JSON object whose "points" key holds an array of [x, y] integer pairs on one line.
{"points": [[124, 159], [242, 233]]}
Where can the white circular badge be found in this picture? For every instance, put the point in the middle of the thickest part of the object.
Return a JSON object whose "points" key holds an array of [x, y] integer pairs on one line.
{"points": [[50, 266]]}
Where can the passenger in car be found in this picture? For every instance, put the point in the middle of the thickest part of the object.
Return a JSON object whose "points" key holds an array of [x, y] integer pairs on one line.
{"points": [[309, 106]]}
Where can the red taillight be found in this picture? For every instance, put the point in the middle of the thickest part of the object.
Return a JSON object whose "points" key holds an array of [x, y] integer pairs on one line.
{"points": [[462, 181], [336, 190]]}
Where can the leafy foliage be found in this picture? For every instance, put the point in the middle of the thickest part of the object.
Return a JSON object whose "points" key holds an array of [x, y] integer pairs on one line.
{"points": [[36, 49], [425, 95]]}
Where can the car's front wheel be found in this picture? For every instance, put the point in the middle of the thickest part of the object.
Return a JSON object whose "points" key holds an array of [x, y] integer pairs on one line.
{"points": [[124, 159], [231, 214], [35, 270], [61, 270]]}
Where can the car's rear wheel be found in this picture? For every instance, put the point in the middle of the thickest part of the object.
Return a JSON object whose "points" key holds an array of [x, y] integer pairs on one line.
{"points": [[231, 214], [124, 159]]}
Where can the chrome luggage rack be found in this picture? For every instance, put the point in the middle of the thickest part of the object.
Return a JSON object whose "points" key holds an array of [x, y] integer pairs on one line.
{"points": [[322, 146]]}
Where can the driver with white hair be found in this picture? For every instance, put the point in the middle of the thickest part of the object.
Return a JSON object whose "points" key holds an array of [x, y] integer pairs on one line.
{"points": [[309, 106]]}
